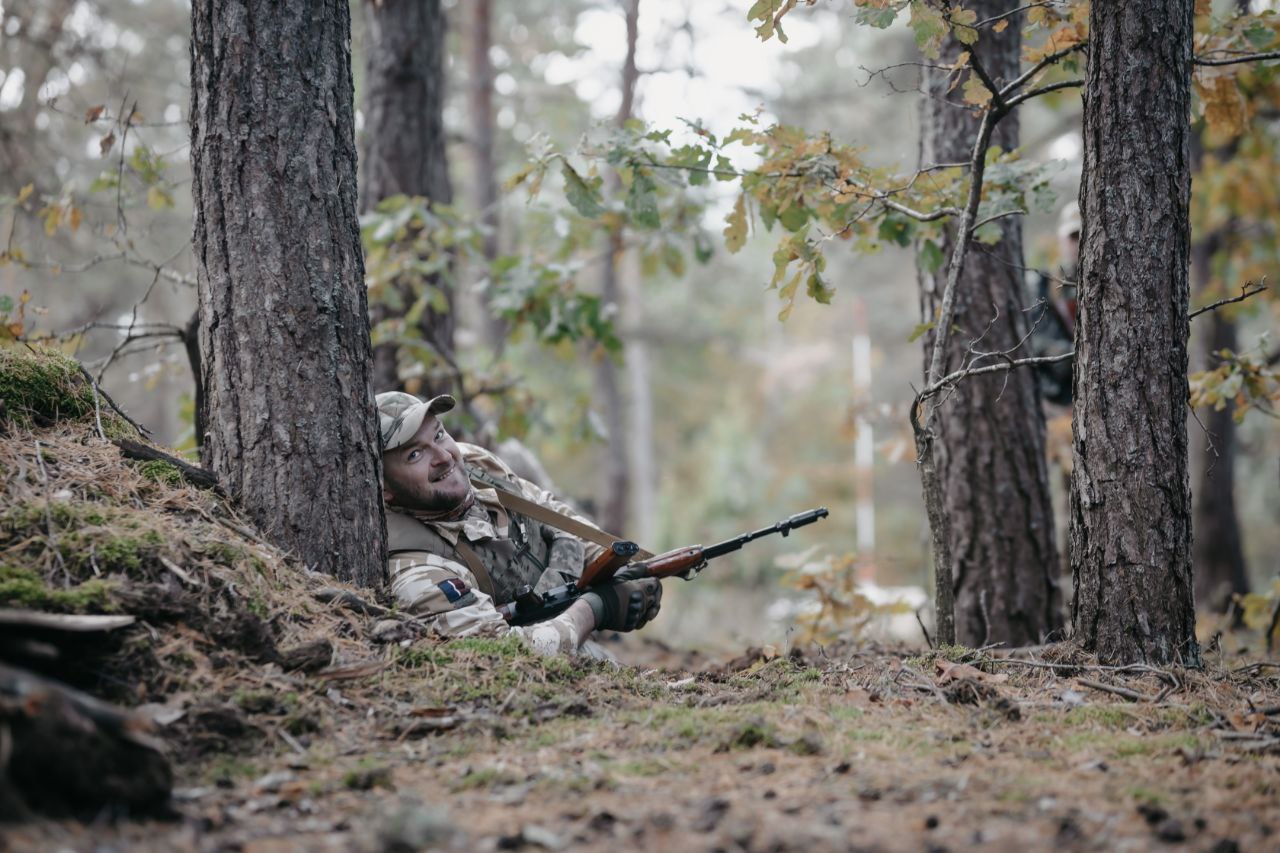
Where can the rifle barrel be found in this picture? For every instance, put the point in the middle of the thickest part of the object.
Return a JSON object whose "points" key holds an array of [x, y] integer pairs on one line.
{"points": [[784, 527]]}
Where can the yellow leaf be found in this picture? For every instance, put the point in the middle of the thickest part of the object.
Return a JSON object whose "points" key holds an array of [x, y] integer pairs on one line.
{"points": [[962, 26], [74, 217], [735, 231], [1225, 110], [1000, 25], [25, 192], [52, 213], [974, 92], [158, 198]]}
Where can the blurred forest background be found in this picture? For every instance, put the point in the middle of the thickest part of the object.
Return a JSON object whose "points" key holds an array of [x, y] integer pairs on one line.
{"points": [[727, 418]]}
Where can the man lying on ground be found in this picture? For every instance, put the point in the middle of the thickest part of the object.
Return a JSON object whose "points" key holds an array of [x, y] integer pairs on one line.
{"points": [[455, 553]]}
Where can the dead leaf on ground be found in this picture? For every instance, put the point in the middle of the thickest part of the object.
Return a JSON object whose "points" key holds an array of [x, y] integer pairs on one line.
{"points": [[948, 671]]}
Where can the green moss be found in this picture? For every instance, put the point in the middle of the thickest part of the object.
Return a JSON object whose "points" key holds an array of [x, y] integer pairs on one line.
{"points": [[161, 472], [41, 387], [1108, 716], [510, 647], [25, 588]]}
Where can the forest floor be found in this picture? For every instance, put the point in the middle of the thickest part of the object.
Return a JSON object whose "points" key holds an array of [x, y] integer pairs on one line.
{"points": [[292, 724]]}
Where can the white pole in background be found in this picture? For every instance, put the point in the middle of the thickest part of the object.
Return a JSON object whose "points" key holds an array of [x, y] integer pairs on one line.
{"points": [[864, 444]]}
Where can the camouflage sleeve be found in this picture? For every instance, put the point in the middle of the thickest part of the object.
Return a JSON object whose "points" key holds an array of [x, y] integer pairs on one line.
{"points": [[440, 591]]}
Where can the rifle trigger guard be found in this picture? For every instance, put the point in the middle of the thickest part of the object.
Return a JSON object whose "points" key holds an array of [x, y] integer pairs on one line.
{"points": [[692, 572]]}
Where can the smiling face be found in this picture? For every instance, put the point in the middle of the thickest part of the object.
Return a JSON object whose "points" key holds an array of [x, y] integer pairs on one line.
{"points": [[426, 472]]}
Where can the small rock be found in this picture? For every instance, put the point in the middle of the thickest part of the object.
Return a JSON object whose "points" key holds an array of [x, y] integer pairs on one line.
{"points": [[1171, 831], [531, 836], [603, 822], [390, 631], [1152, 813], [710, 814], [1225, 845], [931, 822], [273, 782], [411, 826]]}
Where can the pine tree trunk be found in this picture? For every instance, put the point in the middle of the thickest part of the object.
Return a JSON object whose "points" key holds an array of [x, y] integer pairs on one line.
{"points": [[283, 329], [990, 452], [1130, 496], [615, 469], [403, 144]]}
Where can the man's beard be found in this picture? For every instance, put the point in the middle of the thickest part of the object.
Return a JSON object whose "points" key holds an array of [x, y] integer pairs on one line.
{"points": [[434, 504]]}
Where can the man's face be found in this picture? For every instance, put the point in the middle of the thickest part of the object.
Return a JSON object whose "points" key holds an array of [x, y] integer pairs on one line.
{"points": [[426, 472]]}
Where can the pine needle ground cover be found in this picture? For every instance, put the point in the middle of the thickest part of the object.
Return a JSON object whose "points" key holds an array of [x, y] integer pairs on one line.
{"points": [[292, 723]]}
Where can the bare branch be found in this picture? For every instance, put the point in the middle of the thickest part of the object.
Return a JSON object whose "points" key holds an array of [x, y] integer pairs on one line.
{"points": [[1245, 293], [1022, 79], [1042, 90], [996, 216], [1235, 59], [995, 18], [958, 375], [997, 97]]}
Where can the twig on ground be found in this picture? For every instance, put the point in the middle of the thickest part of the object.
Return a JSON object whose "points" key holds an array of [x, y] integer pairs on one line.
{"points": [[191, 473], [1123, 692]]}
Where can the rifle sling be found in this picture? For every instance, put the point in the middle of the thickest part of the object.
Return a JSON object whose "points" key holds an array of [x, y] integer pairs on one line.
{"points": [[476, 565], [558, 520]]}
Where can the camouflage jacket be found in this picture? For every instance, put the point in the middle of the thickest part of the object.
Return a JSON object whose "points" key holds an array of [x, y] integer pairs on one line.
{"points": [[432, 580]]}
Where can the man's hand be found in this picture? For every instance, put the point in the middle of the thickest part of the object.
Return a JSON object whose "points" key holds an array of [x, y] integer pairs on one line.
{"points": [[625, 605]]}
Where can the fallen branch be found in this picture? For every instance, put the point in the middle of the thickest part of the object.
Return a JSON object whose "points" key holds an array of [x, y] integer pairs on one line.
{"points": [[193, 474], [1124, 692]]}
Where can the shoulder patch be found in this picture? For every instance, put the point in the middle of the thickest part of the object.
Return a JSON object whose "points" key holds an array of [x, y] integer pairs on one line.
{"points": [[453, 589]]}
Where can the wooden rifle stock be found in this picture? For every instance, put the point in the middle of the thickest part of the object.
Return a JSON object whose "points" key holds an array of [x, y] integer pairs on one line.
{"points": [[530, 606]]}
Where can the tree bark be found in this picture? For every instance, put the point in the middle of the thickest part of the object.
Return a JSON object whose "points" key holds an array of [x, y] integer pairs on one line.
{"points": [[990, 452], [615, 481], [1220, 569], [1130, 495], [484, 179], [403, 146], [284, 334]]}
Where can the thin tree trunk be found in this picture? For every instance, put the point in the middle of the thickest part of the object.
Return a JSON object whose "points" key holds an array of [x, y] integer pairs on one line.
{"points": [[286, 366], [1220, 569], [615, 482], [1130, 495], [484, 179], [990, 452], [403, 144], [644, 475]]}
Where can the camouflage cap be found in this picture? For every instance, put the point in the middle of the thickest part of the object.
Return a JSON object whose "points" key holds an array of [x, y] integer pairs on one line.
{"points": [[400, 415]]}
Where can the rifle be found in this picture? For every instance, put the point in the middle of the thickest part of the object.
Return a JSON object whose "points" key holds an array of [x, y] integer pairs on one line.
{"points": [[529, 606]]}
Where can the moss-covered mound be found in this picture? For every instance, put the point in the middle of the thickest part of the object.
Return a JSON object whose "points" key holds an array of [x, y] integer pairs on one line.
{"points": [[39, 387]]}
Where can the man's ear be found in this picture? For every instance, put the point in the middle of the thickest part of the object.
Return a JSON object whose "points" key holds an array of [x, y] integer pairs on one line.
{"points": [[387, 497]]}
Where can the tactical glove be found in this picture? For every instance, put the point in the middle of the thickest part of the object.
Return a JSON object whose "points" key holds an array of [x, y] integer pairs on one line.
{"points": [[625, 605]]}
